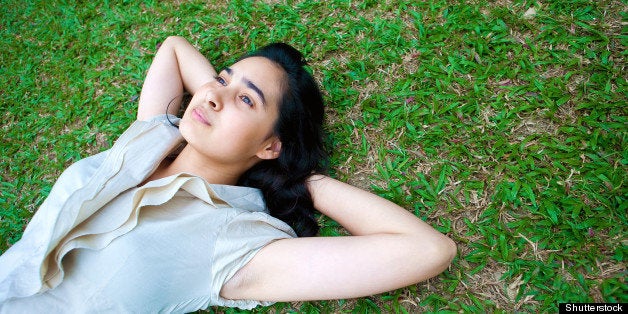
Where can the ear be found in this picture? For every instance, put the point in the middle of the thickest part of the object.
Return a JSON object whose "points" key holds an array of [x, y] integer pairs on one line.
{"points": [[271, 149]]}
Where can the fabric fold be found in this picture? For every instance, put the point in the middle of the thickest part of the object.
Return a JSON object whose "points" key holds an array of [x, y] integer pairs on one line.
{"points": [[104, 227], [82, 189]]}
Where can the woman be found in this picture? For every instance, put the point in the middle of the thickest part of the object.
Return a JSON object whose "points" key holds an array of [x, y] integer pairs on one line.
{"points": [[151, 226]]}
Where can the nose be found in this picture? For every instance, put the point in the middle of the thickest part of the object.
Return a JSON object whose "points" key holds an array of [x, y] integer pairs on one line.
{"points": [[217, 106], [214, 99]]}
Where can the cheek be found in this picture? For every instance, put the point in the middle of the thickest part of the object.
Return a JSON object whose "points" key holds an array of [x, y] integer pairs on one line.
{"points": [[243, 133], [247, 135]]}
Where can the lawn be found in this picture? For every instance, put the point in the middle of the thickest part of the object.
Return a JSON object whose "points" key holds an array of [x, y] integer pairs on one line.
{"points": [[501, 123]]}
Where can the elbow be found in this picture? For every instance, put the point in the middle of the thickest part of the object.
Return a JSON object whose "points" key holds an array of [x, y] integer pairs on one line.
{"points": [[430, 256], [445, 249], [437, 257], [449, 250]]}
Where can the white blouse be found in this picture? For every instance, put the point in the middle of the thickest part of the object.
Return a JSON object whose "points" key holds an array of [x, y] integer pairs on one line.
{"points": [[99, 243]]}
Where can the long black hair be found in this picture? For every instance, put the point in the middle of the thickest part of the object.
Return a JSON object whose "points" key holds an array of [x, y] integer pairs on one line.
{"points": [[300, 129]]}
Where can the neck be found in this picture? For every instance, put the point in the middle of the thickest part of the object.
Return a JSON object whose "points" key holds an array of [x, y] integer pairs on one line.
{"points": [[192, 162]]}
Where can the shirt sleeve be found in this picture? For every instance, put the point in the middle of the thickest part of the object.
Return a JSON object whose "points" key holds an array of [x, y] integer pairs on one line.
{"points": [[236, 244]]}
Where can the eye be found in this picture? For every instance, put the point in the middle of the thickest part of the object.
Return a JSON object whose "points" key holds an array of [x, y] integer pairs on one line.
{"points": [[221, 81], [247, 100]]}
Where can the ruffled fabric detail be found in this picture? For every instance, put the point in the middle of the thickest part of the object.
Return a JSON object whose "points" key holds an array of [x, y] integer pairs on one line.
{"points": [[79, 192]]}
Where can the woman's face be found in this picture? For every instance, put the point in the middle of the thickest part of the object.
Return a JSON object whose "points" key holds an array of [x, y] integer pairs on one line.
{"points": [[231, 119]]}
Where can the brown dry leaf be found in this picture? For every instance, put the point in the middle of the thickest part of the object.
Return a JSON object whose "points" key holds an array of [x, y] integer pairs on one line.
{"points": [[513, 288], [530, 13]]}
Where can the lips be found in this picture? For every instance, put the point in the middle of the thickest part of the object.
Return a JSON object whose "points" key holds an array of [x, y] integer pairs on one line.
{"points": [[199, 116]]}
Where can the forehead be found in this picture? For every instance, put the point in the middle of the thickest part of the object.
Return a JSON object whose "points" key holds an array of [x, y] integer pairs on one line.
{"points": [[263, 73]]}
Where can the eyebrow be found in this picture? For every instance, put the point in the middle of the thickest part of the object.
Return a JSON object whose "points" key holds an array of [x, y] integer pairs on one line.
{"points": [[250, 85]]}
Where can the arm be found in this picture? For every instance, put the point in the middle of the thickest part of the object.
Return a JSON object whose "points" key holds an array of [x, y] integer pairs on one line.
{"points": [[177, 66], [390, 248]]}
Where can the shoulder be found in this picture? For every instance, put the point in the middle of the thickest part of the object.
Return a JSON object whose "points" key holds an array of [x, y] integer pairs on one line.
{"points": [[157, 133], [168, 120], [251, 230], [237, 242], [163, 118]]}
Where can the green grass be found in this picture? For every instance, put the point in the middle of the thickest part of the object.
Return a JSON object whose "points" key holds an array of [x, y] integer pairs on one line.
{"points": [[504, 130]]}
